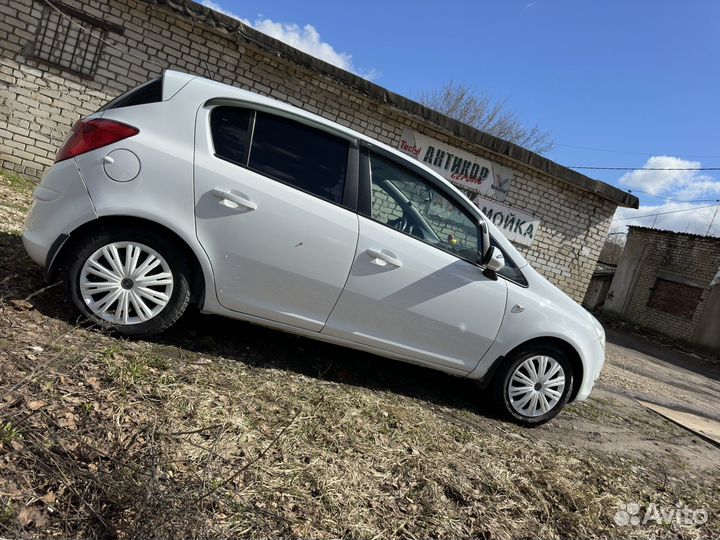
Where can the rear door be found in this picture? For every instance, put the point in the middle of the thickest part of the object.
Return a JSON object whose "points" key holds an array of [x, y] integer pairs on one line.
{"points": [[274, 206], [415, 288]]}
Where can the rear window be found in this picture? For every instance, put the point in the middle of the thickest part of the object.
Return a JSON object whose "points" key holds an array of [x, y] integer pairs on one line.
{"points": [[150, 92], [229, 126]]}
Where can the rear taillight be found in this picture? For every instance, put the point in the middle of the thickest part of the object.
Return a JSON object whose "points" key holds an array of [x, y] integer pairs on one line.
{"points": [[88, 135]]}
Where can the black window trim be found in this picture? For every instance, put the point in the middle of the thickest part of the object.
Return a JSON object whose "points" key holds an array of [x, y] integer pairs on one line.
{"points": [[524, 285], [349, 199], [364, 206], [251, 134]]}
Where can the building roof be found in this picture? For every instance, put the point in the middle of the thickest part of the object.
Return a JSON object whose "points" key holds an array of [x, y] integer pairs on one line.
{"points": [[224, 23], [673, 233]]}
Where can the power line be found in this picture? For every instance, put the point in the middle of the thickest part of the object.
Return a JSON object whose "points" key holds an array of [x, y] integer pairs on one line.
{"points": [[671, 200], [669, 212], [632, 153], [712, 221], [648, 168]]}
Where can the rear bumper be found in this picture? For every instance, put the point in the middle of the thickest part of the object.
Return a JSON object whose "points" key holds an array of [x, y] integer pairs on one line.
{"points": [[60, 204], [594, 361], [35, 248]]}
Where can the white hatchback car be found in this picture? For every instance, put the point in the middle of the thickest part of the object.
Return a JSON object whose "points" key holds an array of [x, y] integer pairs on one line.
{"points": [[186, 190]]}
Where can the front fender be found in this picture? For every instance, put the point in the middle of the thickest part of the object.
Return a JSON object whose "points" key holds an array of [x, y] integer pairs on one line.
{"points": [[542, 311]]}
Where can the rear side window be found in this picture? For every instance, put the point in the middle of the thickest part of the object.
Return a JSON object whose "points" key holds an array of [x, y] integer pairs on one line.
{"points": [[230, 126], [299, 155], [150, 92]]}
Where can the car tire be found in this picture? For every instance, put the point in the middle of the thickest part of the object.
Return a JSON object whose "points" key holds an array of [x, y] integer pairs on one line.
{"points": [[147, 273], [532, 373]]}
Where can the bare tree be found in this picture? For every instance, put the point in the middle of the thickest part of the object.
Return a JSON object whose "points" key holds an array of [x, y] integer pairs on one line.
{"points": [[611, 251], [479, 110]]}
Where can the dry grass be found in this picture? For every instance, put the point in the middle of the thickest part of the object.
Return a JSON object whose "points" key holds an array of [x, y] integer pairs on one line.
{"points": [[221, 429]]}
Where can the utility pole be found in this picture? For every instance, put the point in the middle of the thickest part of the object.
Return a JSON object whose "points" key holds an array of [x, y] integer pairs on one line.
{"points": [[713, 219]]}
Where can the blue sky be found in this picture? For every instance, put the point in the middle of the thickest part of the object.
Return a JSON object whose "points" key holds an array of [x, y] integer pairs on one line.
{"points": [[637, 77]]}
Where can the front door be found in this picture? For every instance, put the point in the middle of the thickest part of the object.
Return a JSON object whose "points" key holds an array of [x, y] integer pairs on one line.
{"points": [[415, 288], [268, 205]]}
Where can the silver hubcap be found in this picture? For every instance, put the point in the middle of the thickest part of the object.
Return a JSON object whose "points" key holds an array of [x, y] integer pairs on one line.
{"points": [[126, 283], [536, 386]]}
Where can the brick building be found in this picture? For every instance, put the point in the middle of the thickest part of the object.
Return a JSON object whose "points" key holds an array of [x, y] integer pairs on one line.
{"points": [[52, 72], [669, 282]]}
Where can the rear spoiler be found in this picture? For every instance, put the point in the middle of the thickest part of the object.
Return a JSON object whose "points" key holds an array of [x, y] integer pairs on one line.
{"points": [[173, 81]]}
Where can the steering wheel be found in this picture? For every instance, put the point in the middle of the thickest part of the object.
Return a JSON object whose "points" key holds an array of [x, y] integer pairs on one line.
{"points": [[401, 223]]}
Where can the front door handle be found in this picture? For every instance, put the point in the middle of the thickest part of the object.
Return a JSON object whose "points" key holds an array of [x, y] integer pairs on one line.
{"points": [[383, 258], [234, 199]]}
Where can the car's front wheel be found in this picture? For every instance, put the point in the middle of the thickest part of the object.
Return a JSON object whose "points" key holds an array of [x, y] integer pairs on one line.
{"points": [[533, 384], [134, 282]]}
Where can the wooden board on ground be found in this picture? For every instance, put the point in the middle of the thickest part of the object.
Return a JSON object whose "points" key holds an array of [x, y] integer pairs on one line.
{"points": [[704, 427]]}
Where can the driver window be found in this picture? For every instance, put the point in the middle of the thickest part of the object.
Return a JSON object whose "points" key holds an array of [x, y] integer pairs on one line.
{"points": [[406, 202], [384, 208]]}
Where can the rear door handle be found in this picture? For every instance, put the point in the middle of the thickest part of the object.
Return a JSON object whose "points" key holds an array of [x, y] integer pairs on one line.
{"points": [[383, 258], [233, 198]]}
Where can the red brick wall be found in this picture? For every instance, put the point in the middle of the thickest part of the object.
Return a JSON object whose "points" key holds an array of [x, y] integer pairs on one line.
{"points": [[675, 298], [672, 274]]}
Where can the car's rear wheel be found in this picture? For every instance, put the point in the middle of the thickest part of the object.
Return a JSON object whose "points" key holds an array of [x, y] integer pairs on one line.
{"points": [[134, 282], [533, 384]]}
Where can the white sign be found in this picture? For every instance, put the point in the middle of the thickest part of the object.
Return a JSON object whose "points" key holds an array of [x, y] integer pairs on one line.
{"points": [[502, 178], [461, 168], [517, 226]]}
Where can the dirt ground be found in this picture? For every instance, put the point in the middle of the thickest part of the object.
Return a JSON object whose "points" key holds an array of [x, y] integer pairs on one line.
{"points": [[637, 369], [219, 428]]}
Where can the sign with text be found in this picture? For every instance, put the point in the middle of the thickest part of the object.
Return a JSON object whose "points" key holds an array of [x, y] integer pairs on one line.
{"points": [[475, 174], [517, 226]]}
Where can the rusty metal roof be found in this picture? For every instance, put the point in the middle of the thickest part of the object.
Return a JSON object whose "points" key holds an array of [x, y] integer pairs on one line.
{"points": [[640, 228]]}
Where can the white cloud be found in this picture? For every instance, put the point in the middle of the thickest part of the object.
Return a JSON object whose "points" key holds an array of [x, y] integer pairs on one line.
{"points": [[683, 217], [689, 185], [305, 38], [701, 187], [658, 182]]}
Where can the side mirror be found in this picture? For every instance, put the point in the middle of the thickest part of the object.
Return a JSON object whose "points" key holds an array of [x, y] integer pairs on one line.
{"points": [[494, 262]]}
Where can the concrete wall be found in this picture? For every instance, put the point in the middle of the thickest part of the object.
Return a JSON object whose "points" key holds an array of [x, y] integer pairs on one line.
{"points": [[39, 103], [678, 260], [707, 333], [597, 291]]}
